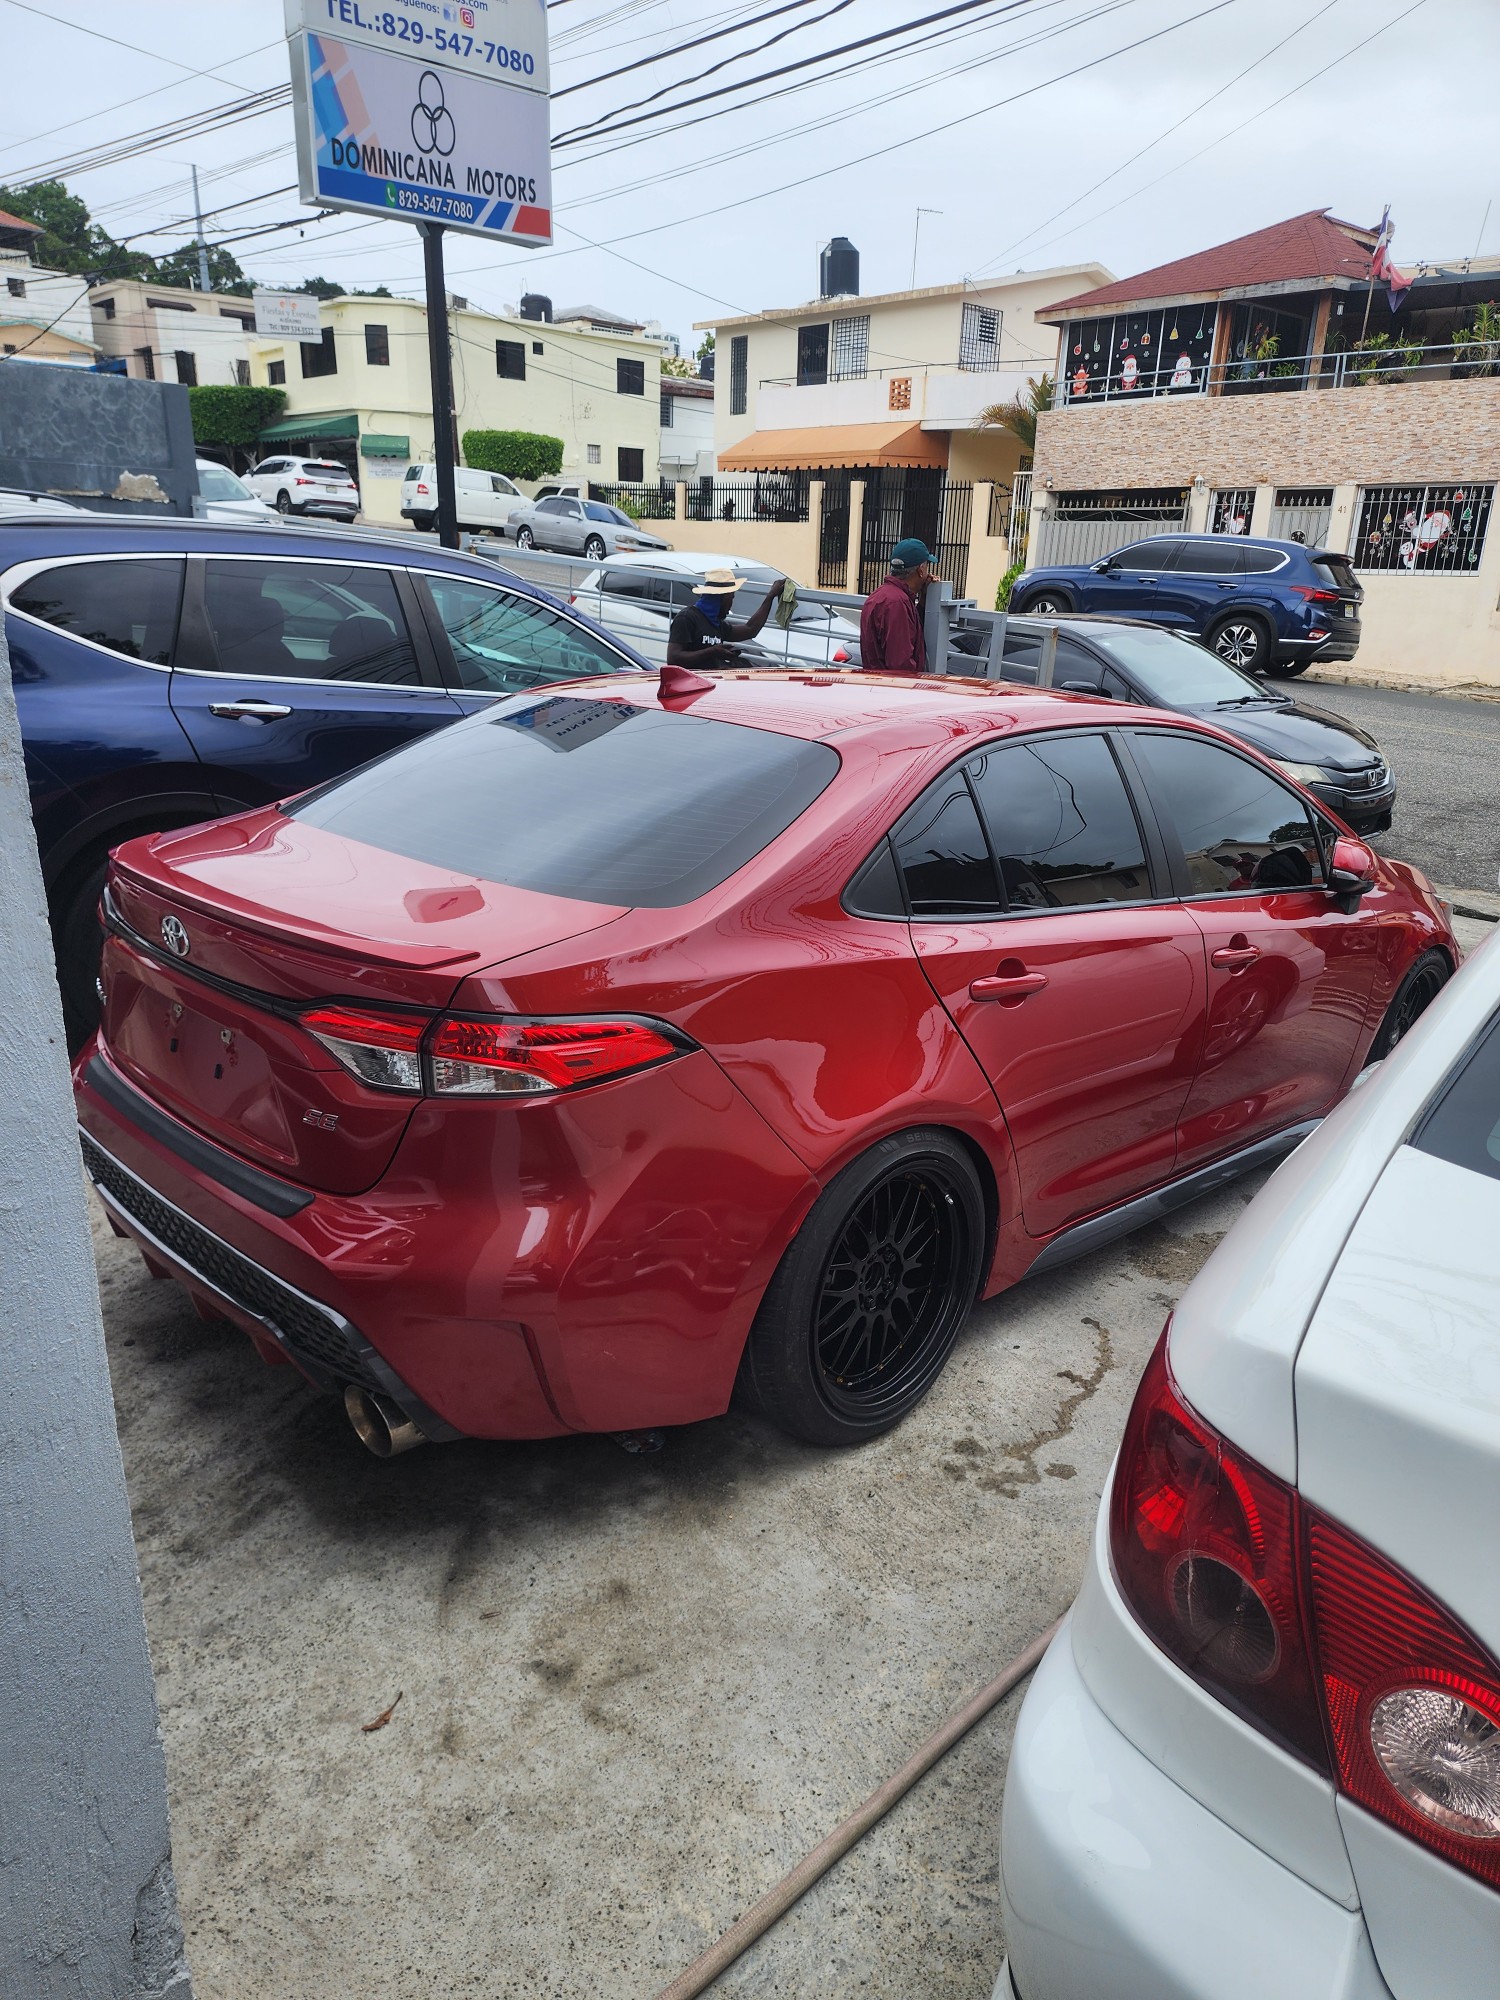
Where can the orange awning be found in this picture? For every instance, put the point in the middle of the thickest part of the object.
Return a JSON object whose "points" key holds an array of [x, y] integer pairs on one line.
{"points": [[836, 445]]}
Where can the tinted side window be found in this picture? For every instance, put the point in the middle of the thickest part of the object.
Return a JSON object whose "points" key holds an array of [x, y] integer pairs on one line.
{"points": [[944, 857], [1063, 827], [1021, 659], [1240, 830], [131, 607], [1148, 556], [1075, 663], [1217, 557], [501, 643], [308, 621], [1464, 1125], [1261, 562]]}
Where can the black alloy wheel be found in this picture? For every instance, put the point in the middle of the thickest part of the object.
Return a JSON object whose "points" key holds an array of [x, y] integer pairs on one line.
{"points": [[283, 502], [1049, 605], [1243, 642], [1410, 1002], [594, 548], [525, 539], [867, 1302]]}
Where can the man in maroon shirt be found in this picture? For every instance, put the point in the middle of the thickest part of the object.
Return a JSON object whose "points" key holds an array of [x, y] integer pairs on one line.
{"points": [[890, 626]]}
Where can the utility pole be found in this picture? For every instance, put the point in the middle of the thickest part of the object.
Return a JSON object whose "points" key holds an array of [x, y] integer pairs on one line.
{"points": [[88, 1904], [440, 364], [203, 284]]}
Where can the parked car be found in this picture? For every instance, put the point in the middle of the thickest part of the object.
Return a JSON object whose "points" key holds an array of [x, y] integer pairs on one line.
{"points": [[1125, 661], [1263, 1755], [575, 527], [306, 486], [168, 671], [643, 1038], [484, 499], [638, 598], [223, 496], [23, 500], [1266, 607]]}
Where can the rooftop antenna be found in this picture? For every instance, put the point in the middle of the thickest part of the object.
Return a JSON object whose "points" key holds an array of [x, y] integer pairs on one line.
{"points": [[916, 231]]}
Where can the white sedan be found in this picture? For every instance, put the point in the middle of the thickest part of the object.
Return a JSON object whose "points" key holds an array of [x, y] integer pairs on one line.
{"points": [[1261, 1761], [637, 600]]}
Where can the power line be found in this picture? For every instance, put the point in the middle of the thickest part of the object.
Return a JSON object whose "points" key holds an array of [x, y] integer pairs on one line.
{"points": [[98, 35], [680, 48]]}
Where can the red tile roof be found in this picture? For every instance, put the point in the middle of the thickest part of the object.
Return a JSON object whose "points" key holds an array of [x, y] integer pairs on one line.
{"points": [[13, 222], [1304, 250]]}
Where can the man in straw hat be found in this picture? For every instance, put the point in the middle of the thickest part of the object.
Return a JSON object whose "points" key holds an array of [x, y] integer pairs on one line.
{"points": [[704, 635]]}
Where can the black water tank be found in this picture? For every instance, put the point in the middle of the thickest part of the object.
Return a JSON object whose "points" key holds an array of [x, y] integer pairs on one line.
{"points": [[534, 306], [838, 270]]}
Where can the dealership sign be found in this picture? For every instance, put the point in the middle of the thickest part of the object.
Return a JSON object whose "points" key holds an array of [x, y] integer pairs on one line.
{"points": [[503, 40], [388, 134], [287, 316]]}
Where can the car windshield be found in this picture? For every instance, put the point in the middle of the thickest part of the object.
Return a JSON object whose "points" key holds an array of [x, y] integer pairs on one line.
{"points": [[569, 795], [1178, 673], [217, 482], [597, 511]]}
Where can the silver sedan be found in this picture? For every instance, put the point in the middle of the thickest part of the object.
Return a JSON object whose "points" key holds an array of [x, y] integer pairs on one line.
{"points": [[579, 528]]}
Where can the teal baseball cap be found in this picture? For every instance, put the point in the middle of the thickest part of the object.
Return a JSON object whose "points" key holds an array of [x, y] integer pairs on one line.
{"points": [[909, 555]]}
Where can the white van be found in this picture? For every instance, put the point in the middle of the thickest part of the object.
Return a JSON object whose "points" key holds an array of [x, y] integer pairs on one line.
{"points": [[484, 498]]}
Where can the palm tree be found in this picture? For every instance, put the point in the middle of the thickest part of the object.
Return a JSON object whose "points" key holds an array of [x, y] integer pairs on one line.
{"points": [[1019, 415]]}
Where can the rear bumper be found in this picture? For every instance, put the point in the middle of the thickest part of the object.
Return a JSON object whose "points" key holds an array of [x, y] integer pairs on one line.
{"points": [[1118, 1885], [1337, 646]]}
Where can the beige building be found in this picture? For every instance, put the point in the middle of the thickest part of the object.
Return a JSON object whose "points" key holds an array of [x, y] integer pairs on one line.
{"points": [[362, 392], [1265, 387], [166, 333]]}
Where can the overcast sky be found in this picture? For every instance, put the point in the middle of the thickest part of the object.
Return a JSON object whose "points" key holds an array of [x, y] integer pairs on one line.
{"points": [[1410, 119]]}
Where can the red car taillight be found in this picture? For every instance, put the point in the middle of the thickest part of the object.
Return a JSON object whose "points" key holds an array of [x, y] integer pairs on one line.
{"points": [[1205, 1549], [841, 657], [1306, 1631], [1314, 596], [422, 486], [453, 1057]]}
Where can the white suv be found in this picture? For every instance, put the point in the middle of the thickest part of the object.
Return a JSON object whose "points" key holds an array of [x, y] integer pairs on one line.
{"points": [[1261, 1761], [484, 498], [306, 486]]}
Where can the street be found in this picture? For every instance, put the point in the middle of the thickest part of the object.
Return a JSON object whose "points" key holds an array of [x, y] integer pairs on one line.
{"points": [[1445, 754]]}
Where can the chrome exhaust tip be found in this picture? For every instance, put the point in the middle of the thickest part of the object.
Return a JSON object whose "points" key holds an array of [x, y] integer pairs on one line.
{"points": [[379, 1425]]}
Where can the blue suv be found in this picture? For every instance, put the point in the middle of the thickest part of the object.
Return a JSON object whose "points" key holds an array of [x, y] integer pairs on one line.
{"points": [[1265, 607], [172, 671]]}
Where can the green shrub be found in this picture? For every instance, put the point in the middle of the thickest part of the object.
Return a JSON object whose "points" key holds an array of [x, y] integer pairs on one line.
{"points": [[1007, 585], [228, 414], [518, 454]]}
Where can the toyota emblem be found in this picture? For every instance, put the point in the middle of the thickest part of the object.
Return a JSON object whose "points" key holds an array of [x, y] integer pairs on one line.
{"points": [[174, 936]]}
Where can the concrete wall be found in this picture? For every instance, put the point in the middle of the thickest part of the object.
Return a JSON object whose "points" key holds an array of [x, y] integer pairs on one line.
{"points": [[107, 442], [789, 546]]}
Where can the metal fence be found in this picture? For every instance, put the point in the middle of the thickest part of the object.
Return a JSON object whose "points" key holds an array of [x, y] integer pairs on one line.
{"points": [[1422, 530], [912, 501], [833, 533], [1379, 358], [1232, 507], [998, 523], [1085, 527], [760, 496], [642, 502], [1302, 514]]}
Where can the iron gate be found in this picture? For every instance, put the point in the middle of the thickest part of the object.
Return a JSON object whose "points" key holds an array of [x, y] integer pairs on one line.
{"points": [[833, 534], [1302, 514], [1084, 527], [902, 501]]}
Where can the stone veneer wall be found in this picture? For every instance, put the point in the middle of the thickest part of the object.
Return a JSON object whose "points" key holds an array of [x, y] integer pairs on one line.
{"points": [[1320, 437]]}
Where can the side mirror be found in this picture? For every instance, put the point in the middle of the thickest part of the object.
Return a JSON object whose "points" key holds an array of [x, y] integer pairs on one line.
{"points": [[1079, 687], [1103, 568], [1352, 869]]}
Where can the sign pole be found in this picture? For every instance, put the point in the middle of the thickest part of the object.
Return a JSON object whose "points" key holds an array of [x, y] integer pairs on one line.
{"points": [[440, 364]]}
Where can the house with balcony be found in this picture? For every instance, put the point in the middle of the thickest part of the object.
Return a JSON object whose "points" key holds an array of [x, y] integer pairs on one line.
{"points": [[880, 401], [1267, 386], [168, 333]]}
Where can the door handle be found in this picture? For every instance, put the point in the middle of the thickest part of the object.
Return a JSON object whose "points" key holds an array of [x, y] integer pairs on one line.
{"points": [[1007, 986], [249, 710], [1234, 957]]}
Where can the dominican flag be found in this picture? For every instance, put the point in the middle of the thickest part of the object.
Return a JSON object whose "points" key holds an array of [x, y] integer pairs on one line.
{"points": [[1382, 270]]}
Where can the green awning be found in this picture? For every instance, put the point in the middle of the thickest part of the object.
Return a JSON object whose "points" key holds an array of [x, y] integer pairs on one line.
{"points": [[343, 424], [382, 444]]}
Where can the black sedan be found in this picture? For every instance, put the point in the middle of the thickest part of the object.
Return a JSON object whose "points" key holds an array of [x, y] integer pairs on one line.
{"points": [[1143, 663]]}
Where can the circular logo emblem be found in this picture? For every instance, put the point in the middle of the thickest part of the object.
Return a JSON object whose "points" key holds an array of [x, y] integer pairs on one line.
{"points": [[432, 127], [174, 936]]}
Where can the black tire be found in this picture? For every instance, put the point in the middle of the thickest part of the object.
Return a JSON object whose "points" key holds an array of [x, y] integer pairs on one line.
{"points": [[1286, 670], [1411, 999], [871, 1294], [594, 549], [78, 942], [1243, 640], [283, 502], [424, 523], [525, 539], [1048, 604]]}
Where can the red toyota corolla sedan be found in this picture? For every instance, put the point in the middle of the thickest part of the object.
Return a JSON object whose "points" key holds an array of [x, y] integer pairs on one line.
{"points": [[630, 1039]]}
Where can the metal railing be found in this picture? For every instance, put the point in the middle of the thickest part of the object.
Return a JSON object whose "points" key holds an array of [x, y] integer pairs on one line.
{"points": [[764, 496], [1378, 359], [642, 502]]}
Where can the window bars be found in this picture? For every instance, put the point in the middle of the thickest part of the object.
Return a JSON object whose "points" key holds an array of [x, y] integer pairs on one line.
{"points": [[739, 374], [1437, 530], [1302, 514], [978, 337], [1231, 510], [849, 360]]}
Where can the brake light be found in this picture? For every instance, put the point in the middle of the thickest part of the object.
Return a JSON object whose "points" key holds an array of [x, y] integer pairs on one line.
{"points": [[1205, 1550], [451, 1057], [1304, 1630], [526, 1058], [841, 657], [300, 481], [1313, 595], [421, 485]]}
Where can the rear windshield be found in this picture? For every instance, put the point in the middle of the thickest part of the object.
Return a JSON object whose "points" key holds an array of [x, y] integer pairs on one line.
{"points": [[1464, 1125], [1335, 570], [326, 469], [603, 801]]}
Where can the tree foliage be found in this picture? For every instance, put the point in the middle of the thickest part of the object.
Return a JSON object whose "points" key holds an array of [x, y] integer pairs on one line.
{"points": [[224, 273], [232, 415], [1019, 415], [518, 454], [71, 239]]}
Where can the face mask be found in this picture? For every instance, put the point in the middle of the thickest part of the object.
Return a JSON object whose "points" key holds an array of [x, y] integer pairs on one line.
{"points": [[712, 608]]}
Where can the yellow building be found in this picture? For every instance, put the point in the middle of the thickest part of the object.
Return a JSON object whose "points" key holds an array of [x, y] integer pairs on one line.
{"points": [[362, 393]]}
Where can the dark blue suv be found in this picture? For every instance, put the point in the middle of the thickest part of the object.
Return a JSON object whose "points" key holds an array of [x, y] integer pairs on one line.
{"points": [[172, 671], [1265, 607]]}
